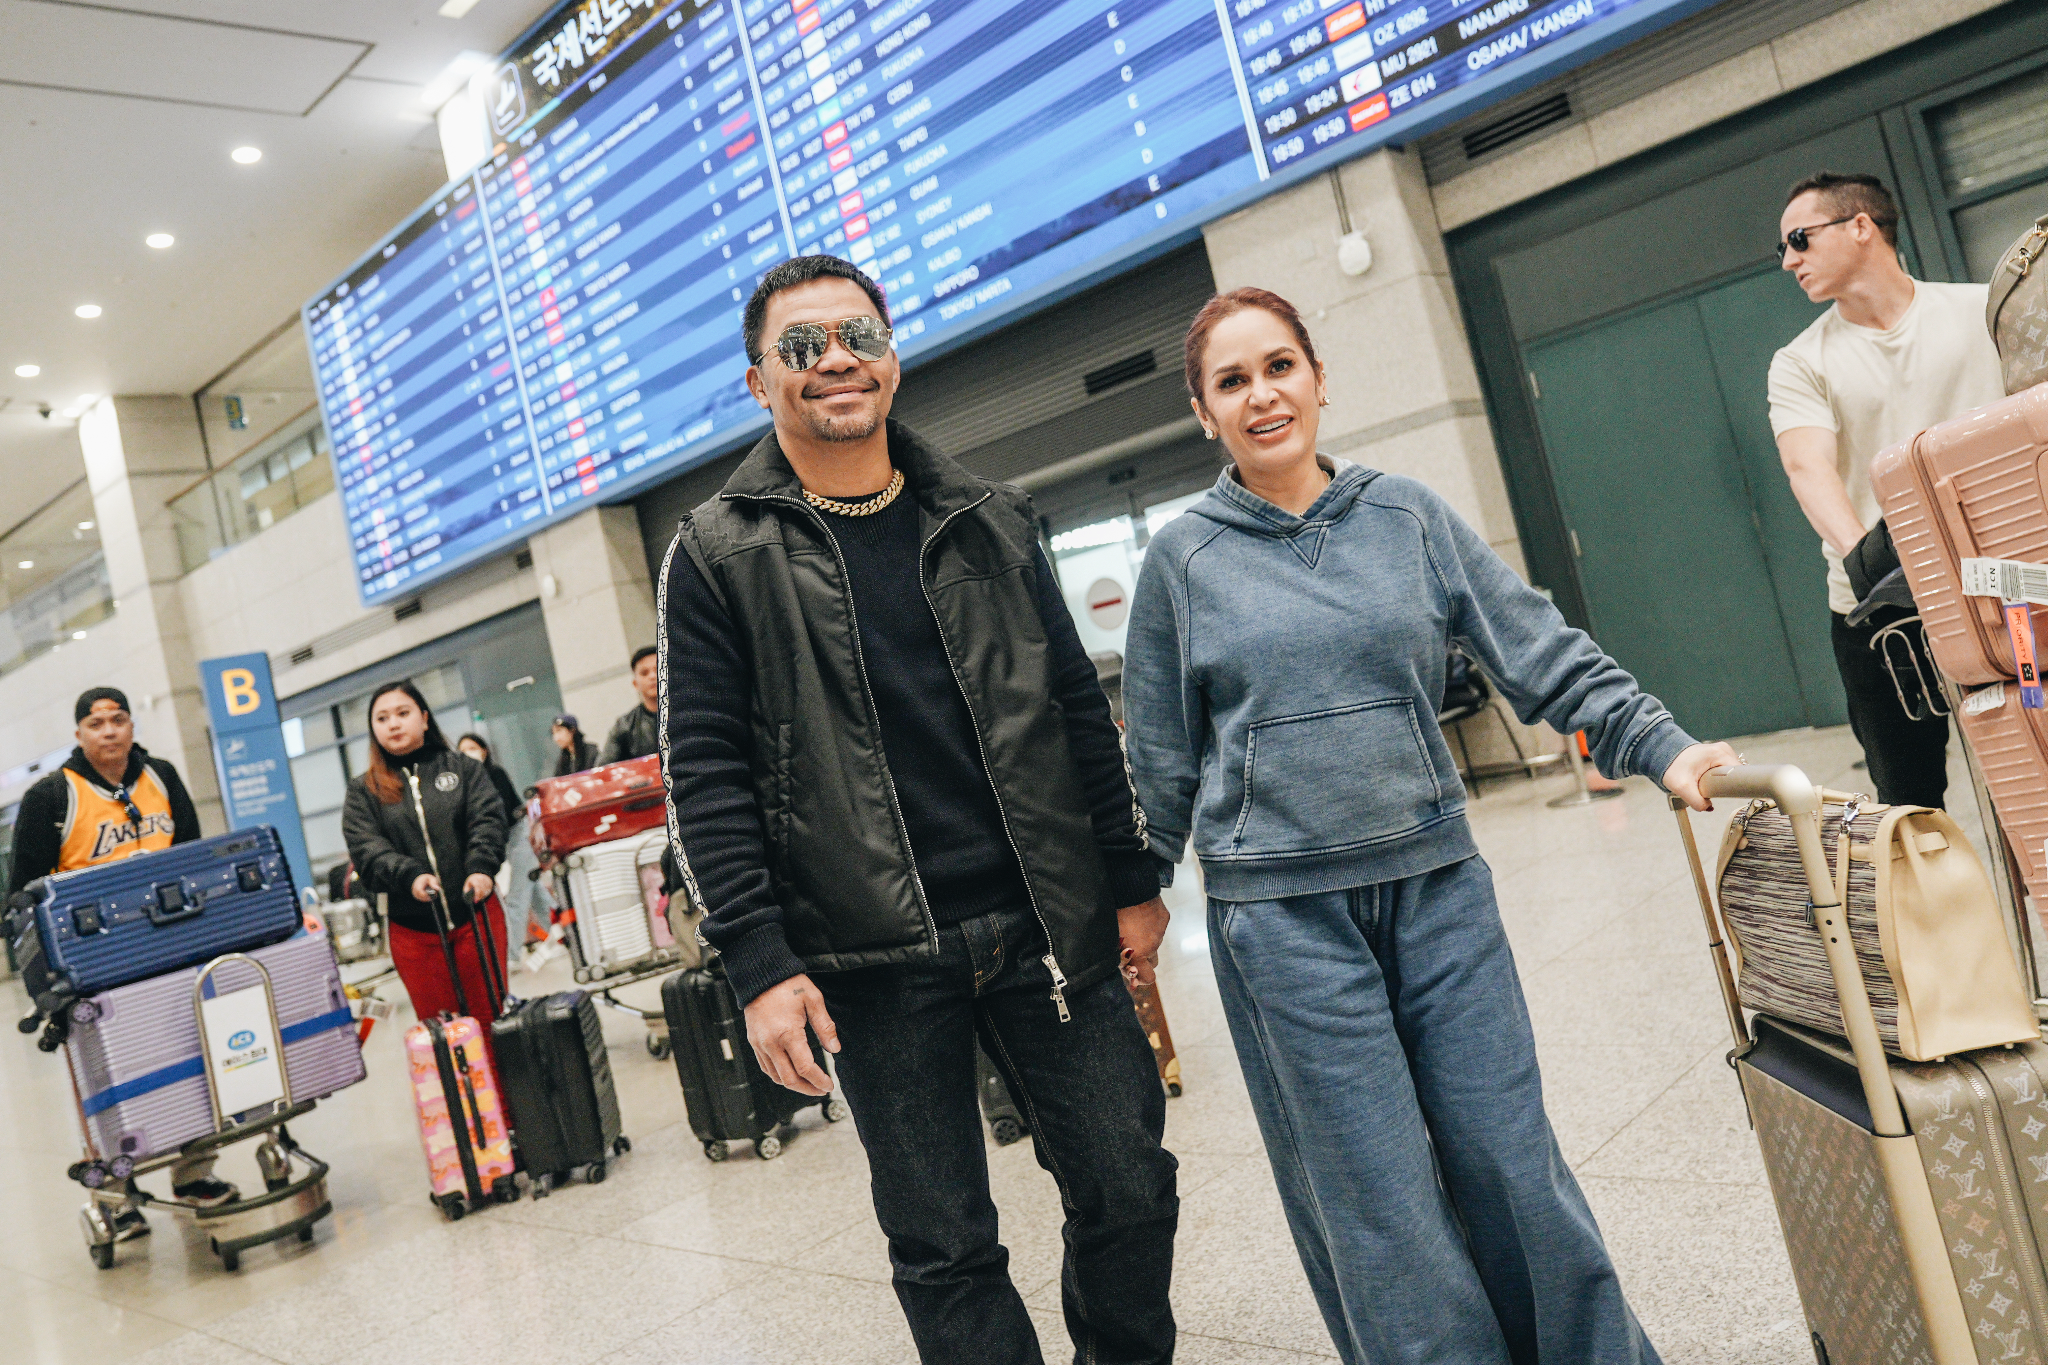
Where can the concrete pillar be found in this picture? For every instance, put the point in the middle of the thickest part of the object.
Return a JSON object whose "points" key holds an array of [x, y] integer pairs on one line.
{"points": [[598, 603], [140, 452], [1404, 393]]}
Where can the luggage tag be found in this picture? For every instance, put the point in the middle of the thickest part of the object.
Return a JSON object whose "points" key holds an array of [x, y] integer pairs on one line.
{"points": [[2019, 623]]}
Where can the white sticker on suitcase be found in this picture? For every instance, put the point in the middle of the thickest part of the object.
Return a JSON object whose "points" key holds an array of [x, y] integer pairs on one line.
{"points": [[2008, 580], [1988, 698]]}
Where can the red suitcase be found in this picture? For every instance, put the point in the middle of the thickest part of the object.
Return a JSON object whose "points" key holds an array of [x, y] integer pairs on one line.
{"points": [[1974, 487], [2011, 745], [598, 806]]}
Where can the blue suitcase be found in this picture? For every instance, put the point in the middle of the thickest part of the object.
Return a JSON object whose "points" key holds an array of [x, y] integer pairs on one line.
{"points": [[80, 933]]}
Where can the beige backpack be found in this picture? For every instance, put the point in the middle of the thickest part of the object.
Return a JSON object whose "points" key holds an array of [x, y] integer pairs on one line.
{"points": [[2017, 309], [1926, 926]]}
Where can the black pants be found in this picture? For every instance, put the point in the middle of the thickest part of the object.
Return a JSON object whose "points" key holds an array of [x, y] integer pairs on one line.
{"points": [[1090, 1092], [1908, 758]]}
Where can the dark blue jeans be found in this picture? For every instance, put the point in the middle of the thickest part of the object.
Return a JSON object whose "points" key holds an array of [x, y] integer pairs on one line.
{"points": [[1091, 1095]]}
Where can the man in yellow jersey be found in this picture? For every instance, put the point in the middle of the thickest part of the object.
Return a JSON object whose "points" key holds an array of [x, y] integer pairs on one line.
{"points": [[110, 800]]}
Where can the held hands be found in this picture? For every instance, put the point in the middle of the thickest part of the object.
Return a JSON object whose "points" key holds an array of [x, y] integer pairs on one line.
{"points": [[478, 887], [1682, 778], [424, 886], [775, 1026], [1141, 928]]}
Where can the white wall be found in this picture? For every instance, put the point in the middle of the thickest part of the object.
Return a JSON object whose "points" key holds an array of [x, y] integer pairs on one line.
{"points": [[36, 700]]}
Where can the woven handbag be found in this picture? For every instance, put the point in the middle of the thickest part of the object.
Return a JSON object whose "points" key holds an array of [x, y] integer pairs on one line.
{"points": [[1922, 916], [2016, 309]]}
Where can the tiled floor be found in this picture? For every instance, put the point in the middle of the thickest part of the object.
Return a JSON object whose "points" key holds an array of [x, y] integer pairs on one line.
{"points": [[674, 1259]]}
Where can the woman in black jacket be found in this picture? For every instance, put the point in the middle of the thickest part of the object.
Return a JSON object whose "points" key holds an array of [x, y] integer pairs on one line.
{"points": [[578, 754], [382, 829]]}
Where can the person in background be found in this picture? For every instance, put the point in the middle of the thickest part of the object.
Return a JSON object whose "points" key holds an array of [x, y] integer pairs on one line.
{"points": [[112, 799], [637, 733], [1364, 971], [526, 893], [1894, 356], [578, 754], [895, 781], [467, 820]]}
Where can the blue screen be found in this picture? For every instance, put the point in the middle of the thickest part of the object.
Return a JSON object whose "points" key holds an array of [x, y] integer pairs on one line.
{"points": [[564, 323]]}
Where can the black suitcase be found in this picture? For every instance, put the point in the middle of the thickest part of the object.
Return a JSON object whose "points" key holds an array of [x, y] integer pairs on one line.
{"points": [[729, 1098], [557, 1081], [1005, 1120]]}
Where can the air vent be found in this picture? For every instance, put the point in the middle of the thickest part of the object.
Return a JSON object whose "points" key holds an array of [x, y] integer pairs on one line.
{"points": [[1122, 372], [523, 560], [302, 655], [405, 611], [1491, 137]]}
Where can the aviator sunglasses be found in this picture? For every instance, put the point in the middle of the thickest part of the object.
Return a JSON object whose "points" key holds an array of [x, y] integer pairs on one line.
{"points": [[1800, 238], [803, 344]]}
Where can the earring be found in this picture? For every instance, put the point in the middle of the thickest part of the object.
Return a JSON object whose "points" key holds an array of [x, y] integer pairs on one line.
{"points": [[1325, 402], [1208, 433]]}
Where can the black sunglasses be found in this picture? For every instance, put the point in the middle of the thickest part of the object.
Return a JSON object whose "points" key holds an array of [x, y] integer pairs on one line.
{"points": [[804, 344], [1800, 238], [128, 805]]}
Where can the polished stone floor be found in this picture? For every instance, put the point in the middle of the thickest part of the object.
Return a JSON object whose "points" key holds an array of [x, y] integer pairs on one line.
{"points": [[674, 1259]]}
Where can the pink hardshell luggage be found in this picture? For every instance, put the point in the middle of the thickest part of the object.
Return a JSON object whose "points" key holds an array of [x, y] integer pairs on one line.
{"points": [[2011, 745], [461, 1114], [1974, 487]]}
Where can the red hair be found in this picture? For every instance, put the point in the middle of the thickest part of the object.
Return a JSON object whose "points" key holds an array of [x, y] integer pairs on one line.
{"points": [[1221, 306]]}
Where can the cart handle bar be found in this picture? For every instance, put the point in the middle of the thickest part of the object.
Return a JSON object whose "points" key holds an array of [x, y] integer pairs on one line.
{"points": [[1783, 783]]}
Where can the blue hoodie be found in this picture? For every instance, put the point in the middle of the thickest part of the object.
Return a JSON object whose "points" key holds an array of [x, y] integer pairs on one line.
{"points": [[1285, 672]]}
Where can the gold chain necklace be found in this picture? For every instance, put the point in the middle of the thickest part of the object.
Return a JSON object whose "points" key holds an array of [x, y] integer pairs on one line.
{"points": [[857, 509]]}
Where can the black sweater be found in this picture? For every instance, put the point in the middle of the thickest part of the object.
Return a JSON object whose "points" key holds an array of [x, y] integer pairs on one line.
{"points": [[964, 856], [39, 823]]}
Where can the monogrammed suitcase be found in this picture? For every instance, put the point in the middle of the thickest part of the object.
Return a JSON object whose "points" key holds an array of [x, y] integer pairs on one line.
{"points": [[1913, 1195], [1973, 487]]}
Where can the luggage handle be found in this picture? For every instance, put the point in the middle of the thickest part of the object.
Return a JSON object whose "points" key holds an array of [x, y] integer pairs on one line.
{"points": [[162, 913], [1795, 794]]}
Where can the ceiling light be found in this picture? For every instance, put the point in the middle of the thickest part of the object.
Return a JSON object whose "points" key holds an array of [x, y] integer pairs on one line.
{"points": [[87, 310], [27, 371], [247, 156], [85, 526], [455, 9], [78, 635], [26, 564], [159, 240], [453, 77]]}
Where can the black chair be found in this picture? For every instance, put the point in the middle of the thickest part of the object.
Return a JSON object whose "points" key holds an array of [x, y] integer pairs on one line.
{"points": [[1467, 696]]}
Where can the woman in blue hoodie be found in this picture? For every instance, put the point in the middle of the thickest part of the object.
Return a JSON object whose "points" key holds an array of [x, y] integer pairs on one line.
{"points": [[1286, 657]]}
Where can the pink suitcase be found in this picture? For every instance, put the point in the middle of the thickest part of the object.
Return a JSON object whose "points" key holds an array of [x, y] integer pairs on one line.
{"points": [[461, 1115], [1974, 487], [2011, 745]]}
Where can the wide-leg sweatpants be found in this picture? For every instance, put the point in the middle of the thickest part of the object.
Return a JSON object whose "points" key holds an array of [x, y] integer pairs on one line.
{"points": [[1389, 1057]]}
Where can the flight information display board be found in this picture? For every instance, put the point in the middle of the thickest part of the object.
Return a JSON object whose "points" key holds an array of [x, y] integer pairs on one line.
{"points": [[564, 322]]}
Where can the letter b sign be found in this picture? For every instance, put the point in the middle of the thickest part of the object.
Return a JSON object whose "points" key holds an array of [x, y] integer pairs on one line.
{"points": [[239, 688]]}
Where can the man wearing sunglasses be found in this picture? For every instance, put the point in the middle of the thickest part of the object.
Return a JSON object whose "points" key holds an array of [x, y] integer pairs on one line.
{"points": [[1893, 356], [112, 799], [896, 787]]}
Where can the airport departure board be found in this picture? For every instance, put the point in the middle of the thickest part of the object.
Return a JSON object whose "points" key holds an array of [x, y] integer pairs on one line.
{"points": [[564, 322]]}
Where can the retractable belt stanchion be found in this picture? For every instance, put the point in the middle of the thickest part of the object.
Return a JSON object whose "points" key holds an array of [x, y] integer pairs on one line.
{"points": [[1583, 795]]}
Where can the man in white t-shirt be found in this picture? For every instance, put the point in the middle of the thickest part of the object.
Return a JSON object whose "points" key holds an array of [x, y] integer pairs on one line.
{"points": [[1894, 356]]}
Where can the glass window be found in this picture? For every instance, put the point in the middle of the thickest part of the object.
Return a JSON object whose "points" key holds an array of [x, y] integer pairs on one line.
{"points": [[262, 487], [319, 780], [324, 844], [1994, 135]]}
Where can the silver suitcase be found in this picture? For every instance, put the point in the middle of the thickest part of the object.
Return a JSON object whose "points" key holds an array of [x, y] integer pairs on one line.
{"points": [[615, 924], [135, 1055], [1913, 1195], [356, 927]]}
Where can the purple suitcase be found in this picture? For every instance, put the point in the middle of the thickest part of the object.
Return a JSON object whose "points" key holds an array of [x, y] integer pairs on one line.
{"points": [[134, 1050]]}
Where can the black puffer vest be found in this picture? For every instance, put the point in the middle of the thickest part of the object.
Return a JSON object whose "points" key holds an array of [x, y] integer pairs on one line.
{"points": [[837, 848]]}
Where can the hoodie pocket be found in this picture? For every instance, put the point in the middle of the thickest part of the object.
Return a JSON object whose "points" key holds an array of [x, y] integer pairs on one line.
{"points": [[1334, 780]]}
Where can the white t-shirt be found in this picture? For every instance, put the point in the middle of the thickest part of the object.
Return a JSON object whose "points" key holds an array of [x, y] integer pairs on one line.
{"points": [[1874, 389]]}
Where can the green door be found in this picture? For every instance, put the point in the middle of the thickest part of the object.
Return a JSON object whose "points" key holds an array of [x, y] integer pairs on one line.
{"points": [[1700, 575]]}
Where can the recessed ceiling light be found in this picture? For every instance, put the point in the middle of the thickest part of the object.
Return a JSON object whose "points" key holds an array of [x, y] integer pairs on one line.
{"points": [[85, 526], [87, 310], [78, 635], [26, 564], [159, 240], [27, 371], [455, 9], [247, 156]]}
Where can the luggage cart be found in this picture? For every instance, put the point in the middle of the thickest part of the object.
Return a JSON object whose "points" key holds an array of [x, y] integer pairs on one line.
{"points": [[659, 1045], [295, 1194], [664, 962]]}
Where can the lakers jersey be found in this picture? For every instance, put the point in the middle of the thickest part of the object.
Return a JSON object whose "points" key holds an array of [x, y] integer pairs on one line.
{"points": [[97, 828]]}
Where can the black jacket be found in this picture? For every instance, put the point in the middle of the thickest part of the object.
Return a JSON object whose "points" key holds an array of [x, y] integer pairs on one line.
{"points": [[39, 823], [634, 735], [384, 843], [786, 822], [582, 757]]}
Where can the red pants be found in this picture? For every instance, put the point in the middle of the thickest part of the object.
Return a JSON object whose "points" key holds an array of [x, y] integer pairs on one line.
{"points": [[423, 967]]}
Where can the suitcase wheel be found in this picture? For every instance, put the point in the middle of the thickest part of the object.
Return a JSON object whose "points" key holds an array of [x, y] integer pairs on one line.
{"points": [[505, 1190], [835, 1110], [103, 1256], [621, 1145], [1006, 1131], [581, 976], [452, 1207], [716, 1151], [594, 1173], [231, 1261], [543, 1186], [1173, 1089], [305, 1234], [659, 1047], [768, 1148]]}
